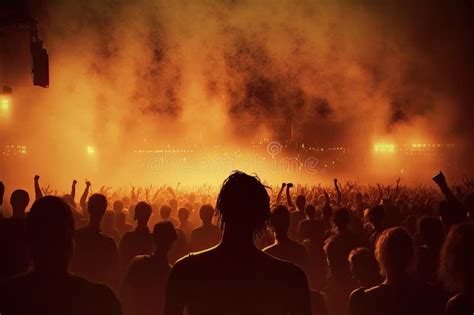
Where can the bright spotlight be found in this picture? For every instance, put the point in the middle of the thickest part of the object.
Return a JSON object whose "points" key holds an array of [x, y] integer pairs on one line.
{"points": [[90, 150], [384, 147], [5, 104]]}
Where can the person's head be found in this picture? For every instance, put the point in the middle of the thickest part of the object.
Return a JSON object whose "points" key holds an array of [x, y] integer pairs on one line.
{"points": [[394, 252], [117, 206], [376, 215], [120, 218], [243, 203], [19, 200], [49, 234], [142, 213], [300, 202], [364, 266], [341, 218], [327, 213], [310, 212], [96, 207], [280, 220], [358, 198], [457, 259], [431, 231], [108, 221], [206, 213], [183, 214], [164, 235], [165, 212]]}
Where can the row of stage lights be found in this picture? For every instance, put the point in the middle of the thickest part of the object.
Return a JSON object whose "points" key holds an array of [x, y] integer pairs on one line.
{"points": [[411, 148]]}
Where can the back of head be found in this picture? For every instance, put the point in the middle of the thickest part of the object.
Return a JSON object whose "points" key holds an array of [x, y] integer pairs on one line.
{"points": [[280, 219], [49, 232], [376, 214], [121, 217], [363, 264], [97, 205], [394, 251], [183, 214], [206, 213], [244, 202], [165, 212], [341, 218], [19, 200], [300, 202], [117, 206], [142, 212], [431, 231], [457, 258], [164, 235]]}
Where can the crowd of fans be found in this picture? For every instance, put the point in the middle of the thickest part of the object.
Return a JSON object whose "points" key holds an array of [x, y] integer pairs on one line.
{"points": [[246, 248]]}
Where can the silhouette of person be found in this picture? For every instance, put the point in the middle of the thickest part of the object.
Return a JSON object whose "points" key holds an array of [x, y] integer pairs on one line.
{"points": [[108, 225], [399, 293], [376, 216], [49, 289], [317, 260], [121, 223], [95, 253], [285, 248], [184, 224], [165, 214], [139, 241], [297, 215], [12, 237], [240, 278], [457, 268], [304, 228], [208, 234], [431, 236], [337, 249], [365, 271], [144, 285]]}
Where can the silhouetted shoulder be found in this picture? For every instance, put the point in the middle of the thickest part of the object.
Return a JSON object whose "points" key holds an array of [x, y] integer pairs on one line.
{"points": [[460, 304], [27, 294]]}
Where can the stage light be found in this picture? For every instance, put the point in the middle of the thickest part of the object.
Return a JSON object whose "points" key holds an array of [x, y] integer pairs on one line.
{"points": [[5, 104], [384, 148], [90, 150]]}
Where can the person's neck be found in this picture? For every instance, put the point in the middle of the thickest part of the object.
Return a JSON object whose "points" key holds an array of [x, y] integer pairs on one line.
{"points": [[142, 225], [160, 256], [94, 224], [281, 237], [396, 278], [18, 214], [51, 273], [206, 224], [237, 240]]}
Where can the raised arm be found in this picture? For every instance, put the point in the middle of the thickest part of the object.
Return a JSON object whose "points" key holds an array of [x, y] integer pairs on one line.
{"points": [[338, 191], [38, 192], [440, 180], [289, 201], [83, 201], [278, 199], [73, 189]]}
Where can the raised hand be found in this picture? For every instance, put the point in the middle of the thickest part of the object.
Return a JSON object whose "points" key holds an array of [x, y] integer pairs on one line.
{"points": [[38, 193]]}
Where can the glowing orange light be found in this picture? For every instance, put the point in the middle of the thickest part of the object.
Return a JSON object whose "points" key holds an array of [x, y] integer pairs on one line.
{"points": [[384, 147], [90, 150]]}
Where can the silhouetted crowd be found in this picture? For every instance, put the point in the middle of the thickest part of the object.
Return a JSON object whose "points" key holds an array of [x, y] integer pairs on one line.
{"points": [[245, 248]]}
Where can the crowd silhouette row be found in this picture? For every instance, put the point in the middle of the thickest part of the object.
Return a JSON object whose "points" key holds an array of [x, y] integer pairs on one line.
{"points": [[246, 248]]}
